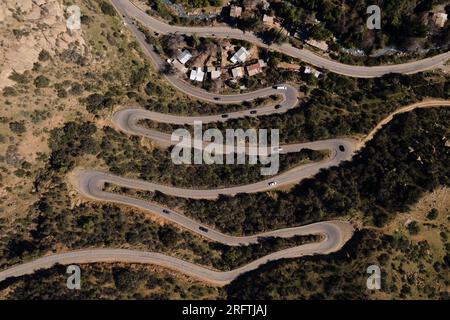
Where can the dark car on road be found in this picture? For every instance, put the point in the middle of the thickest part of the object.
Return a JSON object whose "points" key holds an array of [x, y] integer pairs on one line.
{"points": [[224, 116], [253, 112], [341, 148], [166, 211], [203, 229], [216, 98], [278, 106]]}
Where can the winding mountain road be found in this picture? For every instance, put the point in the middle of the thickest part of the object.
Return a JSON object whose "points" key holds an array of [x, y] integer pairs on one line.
{"points": [[335, 235], [130, 11], [90, 183], [93, 181]]}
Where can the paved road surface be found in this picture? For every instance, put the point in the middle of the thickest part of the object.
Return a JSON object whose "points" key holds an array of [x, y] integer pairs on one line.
{"points": [[335, 235], [288, 177], [130, 11], [290, 96]]}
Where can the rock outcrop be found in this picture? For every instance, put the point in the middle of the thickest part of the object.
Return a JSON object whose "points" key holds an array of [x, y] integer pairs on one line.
{"points": [[26, 28]]}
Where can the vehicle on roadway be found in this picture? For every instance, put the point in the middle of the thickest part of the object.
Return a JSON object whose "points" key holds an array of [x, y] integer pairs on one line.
{"points": [[280, 87], [166, 211], [341, 148], [216, 98], [272, 183], [253, 112], [203, 229], [278, 106], [277, 149], [224, 116]]}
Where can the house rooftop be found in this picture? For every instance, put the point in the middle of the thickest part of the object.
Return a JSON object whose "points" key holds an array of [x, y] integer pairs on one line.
{"points": [[214, 72], [197, 74], [179, 66], [235, 11], [255, 68], [439, 19], [268, 19], [184, 56], [240, 56], [311, 70], [237, 72]]}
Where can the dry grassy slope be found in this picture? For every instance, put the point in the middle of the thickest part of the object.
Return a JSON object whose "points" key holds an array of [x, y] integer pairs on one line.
{"points": [[435, 232], [42, 109], [98, 58], [29, 26]]}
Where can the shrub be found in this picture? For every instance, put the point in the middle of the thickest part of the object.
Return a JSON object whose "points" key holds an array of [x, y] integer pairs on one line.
{"points": [[9, 92], [413, 228], [44, 55], [433, 214], [41, 82], [19, 78], [107, 8], [17, 127]]}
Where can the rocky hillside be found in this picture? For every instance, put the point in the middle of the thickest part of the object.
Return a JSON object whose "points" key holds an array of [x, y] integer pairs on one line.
{"points": [[27, 28]]}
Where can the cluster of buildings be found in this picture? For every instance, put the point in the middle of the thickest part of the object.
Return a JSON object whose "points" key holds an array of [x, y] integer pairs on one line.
{"points": [[252, 69], [238, 68], [199, 73], [240, 57], [268, 21], [179, 63]]}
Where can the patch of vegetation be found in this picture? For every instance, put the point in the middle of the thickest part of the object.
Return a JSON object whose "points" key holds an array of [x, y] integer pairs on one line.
{"points": [[384, 178], [41, 81], [19, 78], [433, 214], [18, 127], [125, 155], [107, 8], [44, 55], [71, 141], [413, 228], [97, 102], [342, 106], [107, 281], [408, 271], [402, 22]]}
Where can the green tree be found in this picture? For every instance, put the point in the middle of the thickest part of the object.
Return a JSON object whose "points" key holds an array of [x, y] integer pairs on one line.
{"points": [[433, 214], [41, 81]]}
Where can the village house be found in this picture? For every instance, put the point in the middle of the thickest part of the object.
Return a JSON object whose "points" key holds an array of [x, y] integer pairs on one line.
{"points": [[179, 66], [237, 72], [255, 68], [184, 56], [268, 20], [235, 11], [197, 74], [311, 70], [240, 56], [439, 19], [214, 72]]}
